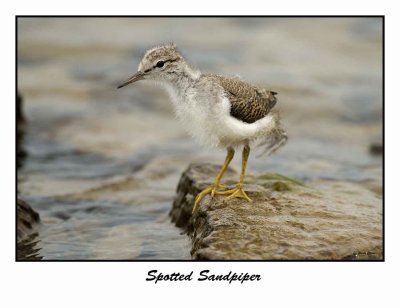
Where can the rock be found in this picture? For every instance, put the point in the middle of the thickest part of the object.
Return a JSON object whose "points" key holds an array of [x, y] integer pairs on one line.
{"points": [[27, 218], [20, 114], [27, 222], [376, 148], [286, 220], [21, 123]]}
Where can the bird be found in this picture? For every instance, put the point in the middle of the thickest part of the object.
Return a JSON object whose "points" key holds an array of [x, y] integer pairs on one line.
{"points": [[218, 111]]}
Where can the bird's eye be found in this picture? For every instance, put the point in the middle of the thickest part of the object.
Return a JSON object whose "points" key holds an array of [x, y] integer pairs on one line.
{"points": [[160, 64]]}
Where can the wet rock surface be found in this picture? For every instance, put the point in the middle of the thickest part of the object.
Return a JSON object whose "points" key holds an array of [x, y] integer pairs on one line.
{"points": [[325, 220], [27, 218], [27, 222]]}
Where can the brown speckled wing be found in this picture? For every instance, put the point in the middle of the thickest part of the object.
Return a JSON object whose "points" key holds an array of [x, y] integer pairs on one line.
{"points": [[248, 103]]}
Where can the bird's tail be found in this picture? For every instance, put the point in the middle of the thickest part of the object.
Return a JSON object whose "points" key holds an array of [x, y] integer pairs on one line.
{"points": [[275, 139]]}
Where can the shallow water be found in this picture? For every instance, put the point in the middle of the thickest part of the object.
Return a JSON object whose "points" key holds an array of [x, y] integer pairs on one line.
{"points": [[103, 164]]}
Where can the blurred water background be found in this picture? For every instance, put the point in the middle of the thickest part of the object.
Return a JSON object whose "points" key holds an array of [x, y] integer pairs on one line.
{"points": [[103, 164]]}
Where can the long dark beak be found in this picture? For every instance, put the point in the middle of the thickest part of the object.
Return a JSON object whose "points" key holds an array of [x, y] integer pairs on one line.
{"points": [[136, 77]]}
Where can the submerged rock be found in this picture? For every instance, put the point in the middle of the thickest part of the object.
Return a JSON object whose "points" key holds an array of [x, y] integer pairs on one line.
{"points": [[286, 220]]}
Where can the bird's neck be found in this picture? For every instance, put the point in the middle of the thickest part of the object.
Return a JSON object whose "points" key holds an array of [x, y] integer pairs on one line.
{"points": [[183, 80]]}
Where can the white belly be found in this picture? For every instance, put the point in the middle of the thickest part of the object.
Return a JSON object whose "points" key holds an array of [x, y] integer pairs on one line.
{"points": [[209, 121], [201, 121]]}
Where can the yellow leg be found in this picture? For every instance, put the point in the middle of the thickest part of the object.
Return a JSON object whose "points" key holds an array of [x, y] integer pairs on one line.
{"points": [[238, 192], [213, 188]]}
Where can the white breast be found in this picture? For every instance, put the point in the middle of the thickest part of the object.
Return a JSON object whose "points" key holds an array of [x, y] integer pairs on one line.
{"points": [[207, 118]]}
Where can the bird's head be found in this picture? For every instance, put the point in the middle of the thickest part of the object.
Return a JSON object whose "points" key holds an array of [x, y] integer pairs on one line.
{"points": [[163, 63]]}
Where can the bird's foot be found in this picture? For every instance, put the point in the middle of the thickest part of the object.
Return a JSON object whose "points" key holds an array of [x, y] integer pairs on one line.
{"points": [[212, 190], [237, 192]]}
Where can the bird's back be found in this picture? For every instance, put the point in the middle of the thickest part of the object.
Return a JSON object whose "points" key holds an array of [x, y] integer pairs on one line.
{"points": [[248, 103]]}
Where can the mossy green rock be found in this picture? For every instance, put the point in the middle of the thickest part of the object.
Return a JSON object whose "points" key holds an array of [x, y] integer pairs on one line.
{"points": [[287, 220]]}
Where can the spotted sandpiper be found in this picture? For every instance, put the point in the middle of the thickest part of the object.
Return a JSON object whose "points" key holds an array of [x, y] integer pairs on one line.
{"points": [[218, 111]]}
